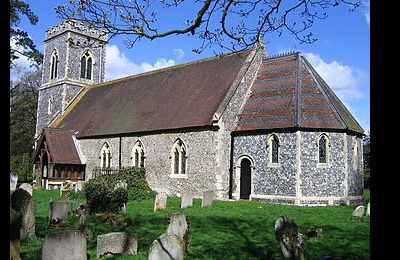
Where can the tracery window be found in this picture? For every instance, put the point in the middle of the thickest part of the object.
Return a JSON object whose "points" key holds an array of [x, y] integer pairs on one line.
{"points": [[178, 159], [86, 66], [138, 155], [105, 157]]}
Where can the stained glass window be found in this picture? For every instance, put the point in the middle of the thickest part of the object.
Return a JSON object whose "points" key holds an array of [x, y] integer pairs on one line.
{"points": [[89, 69], [83, 67], [176, 161], [183, 162]]}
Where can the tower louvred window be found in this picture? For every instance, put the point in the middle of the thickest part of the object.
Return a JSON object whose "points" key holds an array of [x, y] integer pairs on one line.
{"points": [[86, 66]]}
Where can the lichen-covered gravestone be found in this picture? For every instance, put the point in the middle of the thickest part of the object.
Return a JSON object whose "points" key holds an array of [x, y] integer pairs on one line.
{"points": [[27, 187], [23, 204], [178, 225], [290, 241], [13, 181], [359, 211], [116, 243], [59, 211], [186, 200], [208, 197], [160, 202], [65, 245], [15, 226], [167, 246]]}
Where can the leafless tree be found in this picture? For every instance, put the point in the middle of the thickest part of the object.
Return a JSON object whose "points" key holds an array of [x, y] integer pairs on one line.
{"points": [[230, 24]]}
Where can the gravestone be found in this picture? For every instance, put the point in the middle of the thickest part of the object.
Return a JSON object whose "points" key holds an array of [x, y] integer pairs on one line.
{"points": [[65, 245], [121, 184], [15, 226], [167, 246], [178, 225], [59, 211], [116, 243], [207, 198], [186, 200], [161, 201], [81, 212], [13, 181], [27, 187], [368, 209], [23, 204], [290, 241], [359, 211]]}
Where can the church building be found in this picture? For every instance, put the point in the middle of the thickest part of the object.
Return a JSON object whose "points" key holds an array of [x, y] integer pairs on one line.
{"points": [[245, 125]]}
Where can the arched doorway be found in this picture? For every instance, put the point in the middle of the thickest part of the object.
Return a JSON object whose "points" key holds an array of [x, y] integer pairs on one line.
{"points": [[245, 179]]}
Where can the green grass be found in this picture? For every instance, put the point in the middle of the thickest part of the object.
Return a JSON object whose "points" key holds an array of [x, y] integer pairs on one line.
{"points": [[226, 230]]}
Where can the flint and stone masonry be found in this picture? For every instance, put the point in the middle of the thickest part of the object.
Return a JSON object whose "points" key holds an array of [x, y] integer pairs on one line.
{"points": [[214, 152], [298, 178]]}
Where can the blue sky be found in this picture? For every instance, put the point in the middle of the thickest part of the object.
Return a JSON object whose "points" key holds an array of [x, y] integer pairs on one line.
{"points": [[341, 54]]}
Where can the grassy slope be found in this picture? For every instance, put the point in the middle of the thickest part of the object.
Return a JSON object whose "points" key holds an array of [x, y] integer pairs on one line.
{"points": [[226, 230]]}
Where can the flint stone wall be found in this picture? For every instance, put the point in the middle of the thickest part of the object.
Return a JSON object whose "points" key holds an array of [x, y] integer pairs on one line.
{"points": [[201, 149]]}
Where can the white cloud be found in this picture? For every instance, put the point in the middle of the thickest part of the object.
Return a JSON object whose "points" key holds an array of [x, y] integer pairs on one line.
{"points": [[179, 53], [118, 65], [344, 80]]}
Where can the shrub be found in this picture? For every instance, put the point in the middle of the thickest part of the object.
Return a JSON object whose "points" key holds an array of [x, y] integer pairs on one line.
{"points": [[102, 197]]}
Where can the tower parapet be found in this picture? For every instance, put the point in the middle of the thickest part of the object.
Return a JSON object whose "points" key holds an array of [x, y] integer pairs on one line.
{"points": [[77, 27]]}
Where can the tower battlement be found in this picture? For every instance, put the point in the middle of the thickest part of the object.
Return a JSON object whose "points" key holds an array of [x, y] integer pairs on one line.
{"points": [[77, 27]]}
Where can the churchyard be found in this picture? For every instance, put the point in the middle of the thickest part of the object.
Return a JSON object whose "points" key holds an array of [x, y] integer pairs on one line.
{"points": [[220, 230]]}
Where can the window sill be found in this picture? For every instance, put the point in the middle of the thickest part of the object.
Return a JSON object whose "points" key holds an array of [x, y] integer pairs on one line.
{"points": [[178, 176], [273, 165], [322, 165]]}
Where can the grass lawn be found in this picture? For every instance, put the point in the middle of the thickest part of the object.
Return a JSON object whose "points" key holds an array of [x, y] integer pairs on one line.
{"points": [[226, 230]]}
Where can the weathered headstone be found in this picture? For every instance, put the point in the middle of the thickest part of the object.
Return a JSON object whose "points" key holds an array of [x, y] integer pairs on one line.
{"points": [[121, 184], [167, 246], [186, 200], [27, 187], [178, 225], [289, 238], [82, 211], [161, 201], [367, 213], [116, 243], [23, 204], [359, 211], [13, 181], [15, 226], [65, 245], [59, 211], [208, 197]]}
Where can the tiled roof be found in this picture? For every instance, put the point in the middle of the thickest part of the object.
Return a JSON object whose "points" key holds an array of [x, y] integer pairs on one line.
{"points": [[60, 145], [182, 96], [288, 92]]}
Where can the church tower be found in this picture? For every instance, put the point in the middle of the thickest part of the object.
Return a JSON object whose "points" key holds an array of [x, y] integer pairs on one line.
{"points": [[74, 58]]}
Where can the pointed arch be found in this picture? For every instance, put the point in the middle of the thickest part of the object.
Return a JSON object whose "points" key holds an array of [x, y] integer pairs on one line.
{"points": [[87, 65], [105, 156], [54, 65], [323, 145], [179, 159], [138, 155], [273, 148]]}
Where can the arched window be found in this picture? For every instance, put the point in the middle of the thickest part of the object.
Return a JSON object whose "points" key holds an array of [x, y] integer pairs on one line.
{"points": [[323, 149], [178, 159], [138, 155], [50, 105], [105, 157], [54, 65], [273, 144], [86, 66], [355, 154]]}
